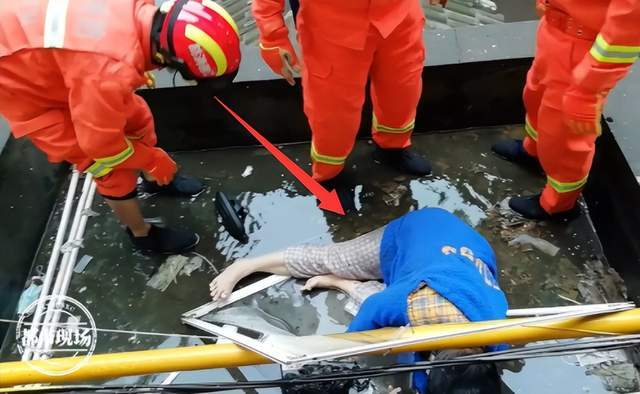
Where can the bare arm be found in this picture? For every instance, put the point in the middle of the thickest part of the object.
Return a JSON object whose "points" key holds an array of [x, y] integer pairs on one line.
{"points": [[272, 263], [351, 261], [222, 285]]}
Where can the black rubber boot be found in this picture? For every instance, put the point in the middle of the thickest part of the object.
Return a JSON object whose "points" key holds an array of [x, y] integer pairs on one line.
{"points": [[181, 185], [406, 160], [530, 208], [345, 190], [513, 150], [161, 240]]}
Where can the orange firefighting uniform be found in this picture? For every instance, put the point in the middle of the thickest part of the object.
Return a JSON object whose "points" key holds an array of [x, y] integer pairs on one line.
{"points": [[67, 78], [343, 44], [583, 48]]}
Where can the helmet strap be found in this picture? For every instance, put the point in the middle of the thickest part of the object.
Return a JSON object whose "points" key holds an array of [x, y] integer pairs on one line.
{"points": [[167, 55], [157, 57]]}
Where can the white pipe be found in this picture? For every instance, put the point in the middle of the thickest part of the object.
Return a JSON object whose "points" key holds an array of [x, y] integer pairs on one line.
{"points": [[44, 333], [55, 254], [80, 235], [68, 269]]}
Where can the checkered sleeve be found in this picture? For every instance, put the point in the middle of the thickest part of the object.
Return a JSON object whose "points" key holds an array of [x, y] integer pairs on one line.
{"points": [[358, 259]]}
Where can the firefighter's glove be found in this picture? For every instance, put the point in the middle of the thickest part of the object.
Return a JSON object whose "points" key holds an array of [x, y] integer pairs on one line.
{"points": [[281, 58], [162, 167]]}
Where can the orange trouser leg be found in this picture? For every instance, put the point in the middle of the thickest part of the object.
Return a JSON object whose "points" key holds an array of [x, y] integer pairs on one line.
{"points": [[565, 157], [59, 142], [51, 131], [118, 184], [396, 83], [532, 97], [333, 82], [122, 182]]}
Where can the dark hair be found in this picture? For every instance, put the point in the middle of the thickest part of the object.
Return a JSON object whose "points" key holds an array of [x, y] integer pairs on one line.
{"points": [[463, 379], [338, 386], [215, 85]]}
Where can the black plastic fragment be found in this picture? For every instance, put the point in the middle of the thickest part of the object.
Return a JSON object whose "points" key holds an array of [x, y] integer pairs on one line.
{"points": [[233, 216]]}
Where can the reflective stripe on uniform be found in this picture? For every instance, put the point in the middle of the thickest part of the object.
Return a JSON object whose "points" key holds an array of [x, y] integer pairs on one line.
{"points": [[566, 187], [531, 132], [208, 44], [264, 48], [387, 129], [604, 52], [55, 23], [104, 165], [98, 170], [333, 160]]}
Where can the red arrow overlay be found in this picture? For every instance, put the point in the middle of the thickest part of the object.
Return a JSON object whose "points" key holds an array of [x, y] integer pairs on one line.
{"points": [[329, 200]]}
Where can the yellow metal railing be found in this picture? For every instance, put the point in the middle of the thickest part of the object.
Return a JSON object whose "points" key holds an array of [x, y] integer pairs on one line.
{"points": [[107, 366]]}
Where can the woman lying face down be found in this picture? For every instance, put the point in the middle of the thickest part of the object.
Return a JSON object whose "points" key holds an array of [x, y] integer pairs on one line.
{"points": [[434, 269]]}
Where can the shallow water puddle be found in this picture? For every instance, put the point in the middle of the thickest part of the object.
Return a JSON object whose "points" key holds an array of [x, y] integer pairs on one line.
{"points": [[467, 180]]}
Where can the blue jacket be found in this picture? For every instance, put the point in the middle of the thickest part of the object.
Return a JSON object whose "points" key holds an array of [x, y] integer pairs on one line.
{"points": [[433, 246]]}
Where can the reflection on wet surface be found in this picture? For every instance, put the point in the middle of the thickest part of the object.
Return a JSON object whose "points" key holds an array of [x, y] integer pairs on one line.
{"points": [[468, 181]]}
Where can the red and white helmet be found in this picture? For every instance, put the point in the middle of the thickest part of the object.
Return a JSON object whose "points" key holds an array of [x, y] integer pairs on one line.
{"points": [[199, 38]]}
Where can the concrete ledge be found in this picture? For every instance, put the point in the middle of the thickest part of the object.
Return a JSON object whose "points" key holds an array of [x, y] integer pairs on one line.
{"points": [[452, 46], [455, 96]]}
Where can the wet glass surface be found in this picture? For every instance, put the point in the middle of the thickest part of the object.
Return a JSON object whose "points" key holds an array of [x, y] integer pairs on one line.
{"points": [[468, 180]]}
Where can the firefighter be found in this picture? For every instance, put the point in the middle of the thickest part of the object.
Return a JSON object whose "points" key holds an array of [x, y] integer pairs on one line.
{"points": [[68, 72], [584, 47], [343, 45]]}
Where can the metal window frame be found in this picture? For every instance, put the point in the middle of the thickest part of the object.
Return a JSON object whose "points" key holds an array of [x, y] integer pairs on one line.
{"points": [[285, 357], [261, 347], [236, 296], [380, 346]]}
